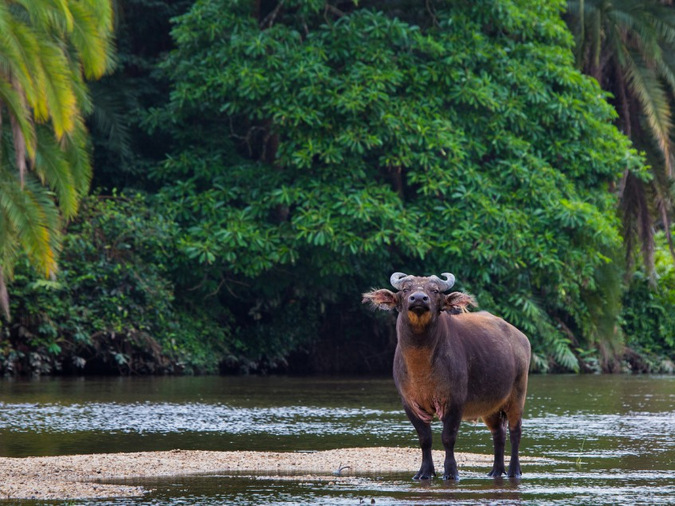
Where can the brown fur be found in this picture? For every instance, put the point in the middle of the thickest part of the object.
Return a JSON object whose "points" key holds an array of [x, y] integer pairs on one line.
{"points": [[456, 365], [419, 322]]}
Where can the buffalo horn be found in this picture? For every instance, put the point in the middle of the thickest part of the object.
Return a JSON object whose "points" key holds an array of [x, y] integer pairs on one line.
{"points": [[397, 278], [446, 283]]}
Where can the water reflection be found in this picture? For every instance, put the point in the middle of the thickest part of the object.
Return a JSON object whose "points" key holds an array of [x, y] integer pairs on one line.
{"points": [[612, 437]]}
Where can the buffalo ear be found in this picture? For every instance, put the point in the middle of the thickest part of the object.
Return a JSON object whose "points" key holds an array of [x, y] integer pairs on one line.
{"points": [[381, 299], [458, 302]]}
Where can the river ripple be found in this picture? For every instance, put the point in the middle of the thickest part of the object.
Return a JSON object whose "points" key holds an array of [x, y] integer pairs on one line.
{"points": [[609, 439]]}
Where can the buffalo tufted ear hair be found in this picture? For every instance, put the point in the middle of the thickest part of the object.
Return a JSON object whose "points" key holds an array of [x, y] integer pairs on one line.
{"points": [[381, 299], [458, 302]]}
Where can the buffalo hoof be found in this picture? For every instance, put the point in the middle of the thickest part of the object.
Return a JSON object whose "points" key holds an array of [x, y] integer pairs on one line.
{"points": [[515, 473], [496, 473], [424, 475], [453, 477]]}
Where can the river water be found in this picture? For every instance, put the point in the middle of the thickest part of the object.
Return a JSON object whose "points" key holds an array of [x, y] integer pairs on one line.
{"points": [[602, 439]]}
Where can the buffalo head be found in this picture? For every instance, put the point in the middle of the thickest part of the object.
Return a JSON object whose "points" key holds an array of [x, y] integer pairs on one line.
{"points": [[419, 299]]}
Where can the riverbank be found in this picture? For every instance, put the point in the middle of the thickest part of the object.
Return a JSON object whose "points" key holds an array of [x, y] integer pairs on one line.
{"points": [[85, 476]]}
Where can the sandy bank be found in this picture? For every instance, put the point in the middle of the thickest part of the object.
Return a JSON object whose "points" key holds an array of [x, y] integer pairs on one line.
{"points": [[80, 476]]}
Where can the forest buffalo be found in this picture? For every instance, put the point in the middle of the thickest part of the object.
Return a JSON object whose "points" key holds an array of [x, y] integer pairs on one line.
{"points": [[456, 365]]}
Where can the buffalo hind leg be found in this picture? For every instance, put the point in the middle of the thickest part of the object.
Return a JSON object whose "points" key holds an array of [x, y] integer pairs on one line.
{"points": [[451, 421], [496, 422], [515, 430], [423, 429], [514, 413]]}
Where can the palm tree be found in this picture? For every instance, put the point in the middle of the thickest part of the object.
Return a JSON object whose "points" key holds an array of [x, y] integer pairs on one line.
{"points": [[629, 47], [47, 50]]}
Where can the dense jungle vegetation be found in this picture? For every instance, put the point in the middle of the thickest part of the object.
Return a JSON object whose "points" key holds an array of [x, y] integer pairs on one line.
{"points": [[256, 165]]}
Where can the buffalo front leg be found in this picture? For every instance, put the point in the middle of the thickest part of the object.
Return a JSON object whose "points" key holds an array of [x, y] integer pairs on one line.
{"points": [[451, 421], [423, 428]]}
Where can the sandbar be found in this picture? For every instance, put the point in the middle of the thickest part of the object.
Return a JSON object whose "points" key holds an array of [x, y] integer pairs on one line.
{"points": [[89, 476]]}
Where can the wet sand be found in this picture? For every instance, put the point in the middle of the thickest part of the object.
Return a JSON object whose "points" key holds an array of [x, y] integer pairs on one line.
{"points": [[84, 476]]}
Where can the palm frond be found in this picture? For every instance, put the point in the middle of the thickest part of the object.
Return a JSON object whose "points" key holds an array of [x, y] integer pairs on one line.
{"points": [[61, 99], [53, 169], [32, 214], [47, 48], [80, 88], [19, 48], [9, 245], [666, 66], [12, 99], [653, 98], [54, 14], [75, 146], [91, 36], [662, 19]]}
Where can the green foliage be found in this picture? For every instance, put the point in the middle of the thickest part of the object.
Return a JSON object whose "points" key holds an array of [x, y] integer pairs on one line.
{"points": [[113, 306], [318, 151], [648, 316]]}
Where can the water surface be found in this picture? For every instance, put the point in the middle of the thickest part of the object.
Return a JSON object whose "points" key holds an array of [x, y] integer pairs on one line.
{"points": [[607, 439]]}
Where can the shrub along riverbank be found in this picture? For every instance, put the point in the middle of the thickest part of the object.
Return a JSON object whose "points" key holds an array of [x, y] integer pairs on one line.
{"points": [[118, 307], [112, 308]]}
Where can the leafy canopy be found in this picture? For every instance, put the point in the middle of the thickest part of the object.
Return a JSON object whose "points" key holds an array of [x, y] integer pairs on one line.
{"points": [[318, 150]]}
